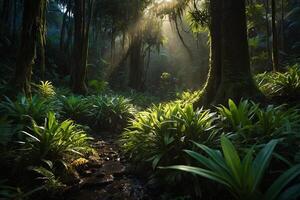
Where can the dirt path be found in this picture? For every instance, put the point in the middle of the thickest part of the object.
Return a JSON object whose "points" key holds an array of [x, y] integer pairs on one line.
{"points": [[106, 176]]}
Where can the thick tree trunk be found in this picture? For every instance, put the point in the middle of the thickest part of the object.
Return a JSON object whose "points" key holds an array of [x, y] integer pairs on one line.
{"points": [[236, 79], [27, 51], [230, 75], [136, 64], [214, 74], [82, 24], [275, 55]]}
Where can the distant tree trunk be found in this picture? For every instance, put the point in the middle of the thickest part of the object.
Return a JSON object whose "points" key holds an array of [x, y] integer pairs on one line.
{"points": [[282, 25], [234, 80], [14, 25], [136, 64], [63, 26], [5, 16], [112, 45], [80, 51], [27, 50], [275, 54], [267, 9], [42, 38]]}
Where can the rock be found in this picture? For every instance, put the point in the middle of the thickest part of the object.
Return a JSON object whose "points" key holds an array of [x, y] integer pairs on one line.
{"points": [[96, 181], [113, 167]]}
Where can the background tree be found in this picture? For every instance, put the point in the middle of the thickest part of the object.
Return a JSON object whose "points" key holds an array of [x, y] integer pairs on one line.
{"points": [[33, 16], [275, 51], [82, 20]]}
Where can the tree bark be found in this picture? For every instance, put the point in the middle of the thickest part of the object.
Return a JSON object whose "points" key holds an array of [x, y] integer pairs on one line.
{"points": [[267, 11], [27, 51], [214, 74], [136, 63], [80, 51], [63, 26], [42, 38], [229, 74], [275, 55]]}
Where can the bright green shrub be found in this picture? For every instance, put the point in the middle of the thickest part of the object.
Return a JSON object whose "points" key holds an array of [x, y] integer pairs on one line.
{"points": [[74, 107], [242, 178], [285, 85], [248, 123], [159, 134], [56, 141], [98, 86], [110, 112], [23, 109]]}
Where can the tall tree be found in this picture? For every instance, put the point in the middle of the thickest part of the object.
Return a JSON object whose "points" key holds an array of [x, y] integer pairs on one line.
{"points": [[229, 74], [136, 66], [275, 55], [29, 39], [82, 18]]}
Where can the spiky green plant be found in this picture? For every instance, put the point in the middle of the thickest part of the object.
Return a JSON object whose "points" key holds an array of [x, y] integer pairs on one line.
{"points": [[23, 109], [74, 107], [46, 89], [242, 178], [250, 124], [110, 112], [159, 134], [8, 130], [56, 141], [284, 85]]}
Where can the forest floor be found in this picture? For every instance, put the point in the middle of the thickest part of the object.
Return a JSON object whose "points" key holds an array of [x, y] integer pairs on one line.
{"points": [[107, 176]]}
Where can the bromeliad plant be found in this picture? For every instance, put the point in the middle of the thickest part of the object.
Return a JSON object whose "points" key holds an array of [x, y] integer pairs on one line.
{"points": [[46, 89], [242, 178], [74, 107], [285, 85], [23, 109], [110, 112], [56, 141], [250, 124], [159, 134]]}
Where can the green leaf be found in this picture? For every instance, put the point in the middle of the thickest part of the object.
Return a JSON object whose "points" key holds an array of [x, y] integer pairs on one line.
{"points": [[282, 182], [262, 161]]}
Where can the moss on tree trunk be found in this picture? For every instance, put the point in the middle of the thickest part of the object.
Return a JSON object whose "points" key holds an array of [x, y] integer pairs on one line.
{"points": [[29, 39], [229, 74]]}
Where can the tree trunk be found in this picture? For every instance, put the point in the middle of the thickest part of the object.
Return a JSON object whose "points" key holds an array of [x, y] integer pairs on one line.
{"points": [[82, 24], [267, 9], [214, 74], [229, 75], [14, 22], [236, 78], [42, 38], [63, 27], [275, 55], [27, 51], [136, 64], [5, 16]]}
